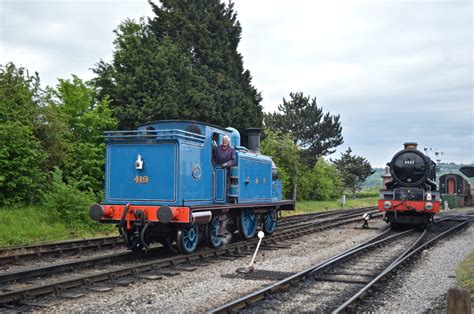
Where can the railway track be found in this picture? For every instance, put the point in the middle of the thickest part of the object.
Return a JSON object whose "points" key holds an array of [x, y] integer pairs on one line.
{"points": [[32, 252], [288, 220], [27, 285], [337, 284], [22, 254]]}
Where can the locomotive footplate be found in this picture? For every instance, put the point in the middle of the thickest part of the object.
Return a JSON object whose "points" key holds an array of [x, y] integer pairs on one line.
{"points": [[258, 207]]}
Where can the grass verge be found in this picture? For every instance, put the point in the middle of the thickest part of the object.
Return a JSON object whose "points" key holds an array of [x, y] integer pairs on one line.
{"points": [[33, 224], [465, 273], [318, 206]]}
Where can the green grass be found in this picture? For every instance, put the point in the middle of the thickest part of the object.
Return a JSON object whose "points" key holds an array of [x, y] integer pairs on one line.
{"points": [[317, 206], [32, 224], [465, 273]]}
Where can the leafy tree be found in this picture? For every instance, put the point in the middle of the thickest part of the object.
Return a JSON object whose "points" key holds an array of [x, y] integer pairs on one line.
{"points": [[305, 183], [53, 134], [354, 170], [327, 181], [85, 119], [21, 157], [323, 182], [19, 93], [316, 133], [44, 130], [285, 155], [183, 64]]}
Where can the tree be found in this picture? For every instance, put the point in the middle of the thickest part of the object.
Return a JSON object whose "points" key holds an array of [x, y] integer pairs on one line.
{"points": [[316, 133], [354, 170], [149, 79], [285, 155], [328, 183], [85, 119], [182, 64], [323, 182], [21, 156], [53, 134], [47, 131], [19, 93]]}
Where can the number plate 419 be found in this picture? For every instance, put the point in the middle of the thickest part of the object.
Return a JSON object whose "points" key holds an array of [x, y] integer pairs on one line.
{"points": [[141, 179]]}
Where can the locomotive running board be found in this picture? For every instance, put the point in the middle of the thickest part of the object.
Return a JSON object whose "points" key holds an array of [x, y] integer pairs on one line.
{"points": [[281, 205]]}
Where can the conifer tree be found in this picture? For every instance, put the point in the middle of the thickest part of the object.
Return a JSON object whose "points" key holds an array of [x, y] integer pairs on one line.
{"points": [[353, 169], [181, 64], [316, 133]]}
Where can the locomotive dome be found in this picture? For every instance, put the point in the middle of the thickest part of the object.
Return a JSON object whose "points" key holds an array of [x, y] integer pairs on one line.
{"points": [[410, 167]]}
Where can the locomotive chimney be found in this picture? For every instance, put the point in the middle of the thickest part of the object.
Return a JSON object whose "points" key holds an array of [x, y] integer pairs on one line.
{"points": [[410, 145], [253, 139]]}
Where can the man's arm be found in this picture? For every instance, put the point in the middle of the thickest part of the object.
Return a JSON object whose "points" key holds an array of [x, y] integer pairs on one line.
{"points": [[231, 161]]}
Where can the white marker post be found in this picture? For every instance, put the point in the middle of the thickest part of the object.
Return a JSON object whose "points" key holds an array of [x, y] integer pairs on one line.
{"points": [[343, 200], [251, 268]]}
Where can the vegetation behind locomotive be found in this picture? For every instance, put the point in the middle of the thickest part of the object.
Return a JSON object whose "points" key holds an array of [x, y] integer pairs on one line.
{"points": [[411, 195]]}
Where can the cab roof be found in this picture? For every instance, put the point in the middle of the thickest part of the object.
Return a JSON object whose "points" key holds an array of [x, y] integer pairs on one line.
{"points": [[184, 122]]}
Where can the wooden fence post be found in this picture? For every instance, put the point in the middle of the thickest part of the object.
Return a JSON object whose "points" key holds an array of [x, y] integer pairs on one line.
{"points": [[459, 301]]}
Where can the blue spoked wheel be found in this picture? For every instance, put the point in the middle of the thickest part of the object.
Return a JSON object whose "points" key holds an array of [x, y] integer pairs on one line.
{"points": [[212, 233], [269, 222], [247, 224], [187, 239]]}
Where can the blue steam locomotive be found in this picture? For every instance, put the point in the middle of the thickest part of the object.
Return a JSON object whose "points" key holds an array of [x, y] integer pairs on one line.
{"points": [[161, 186]]}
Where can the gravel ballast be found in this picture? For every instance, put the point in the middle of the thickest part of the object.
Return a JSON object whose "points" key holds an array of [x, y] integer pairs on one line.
{"points": [[424, 287], [204, 288]]}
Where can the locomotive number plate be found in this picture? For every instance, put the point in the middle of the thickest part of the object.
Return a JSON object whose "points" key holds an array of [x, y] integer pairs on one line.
{"points": [[140, 179]]}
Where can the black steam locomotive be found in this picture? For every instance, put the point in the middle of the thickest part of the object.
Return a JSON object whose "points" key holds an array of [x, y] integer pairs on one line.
{"points": [[411, 195]]}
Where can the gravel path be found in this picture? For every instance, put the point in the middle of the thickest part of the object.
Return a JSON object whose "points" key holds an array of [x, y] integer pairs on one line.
{"points": [[205, 288], [424, 288]]}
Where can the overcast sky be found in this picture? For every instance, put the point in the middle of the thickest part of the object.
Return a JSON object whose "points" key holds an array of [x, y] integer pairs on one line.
{"points": [[395, 71]]}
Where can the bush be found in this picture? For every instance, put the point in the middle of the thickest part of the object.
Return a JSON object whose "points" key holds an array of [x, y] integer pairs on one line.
{"points": [[67, 204], [285, 155], [322, 183], [306, 184], [21, 177], [328, 184]]}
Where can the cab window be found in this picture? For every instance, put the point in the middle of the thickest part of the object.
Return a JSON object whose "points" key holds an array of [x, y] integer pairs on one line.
{"points": [[216, 139]]}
